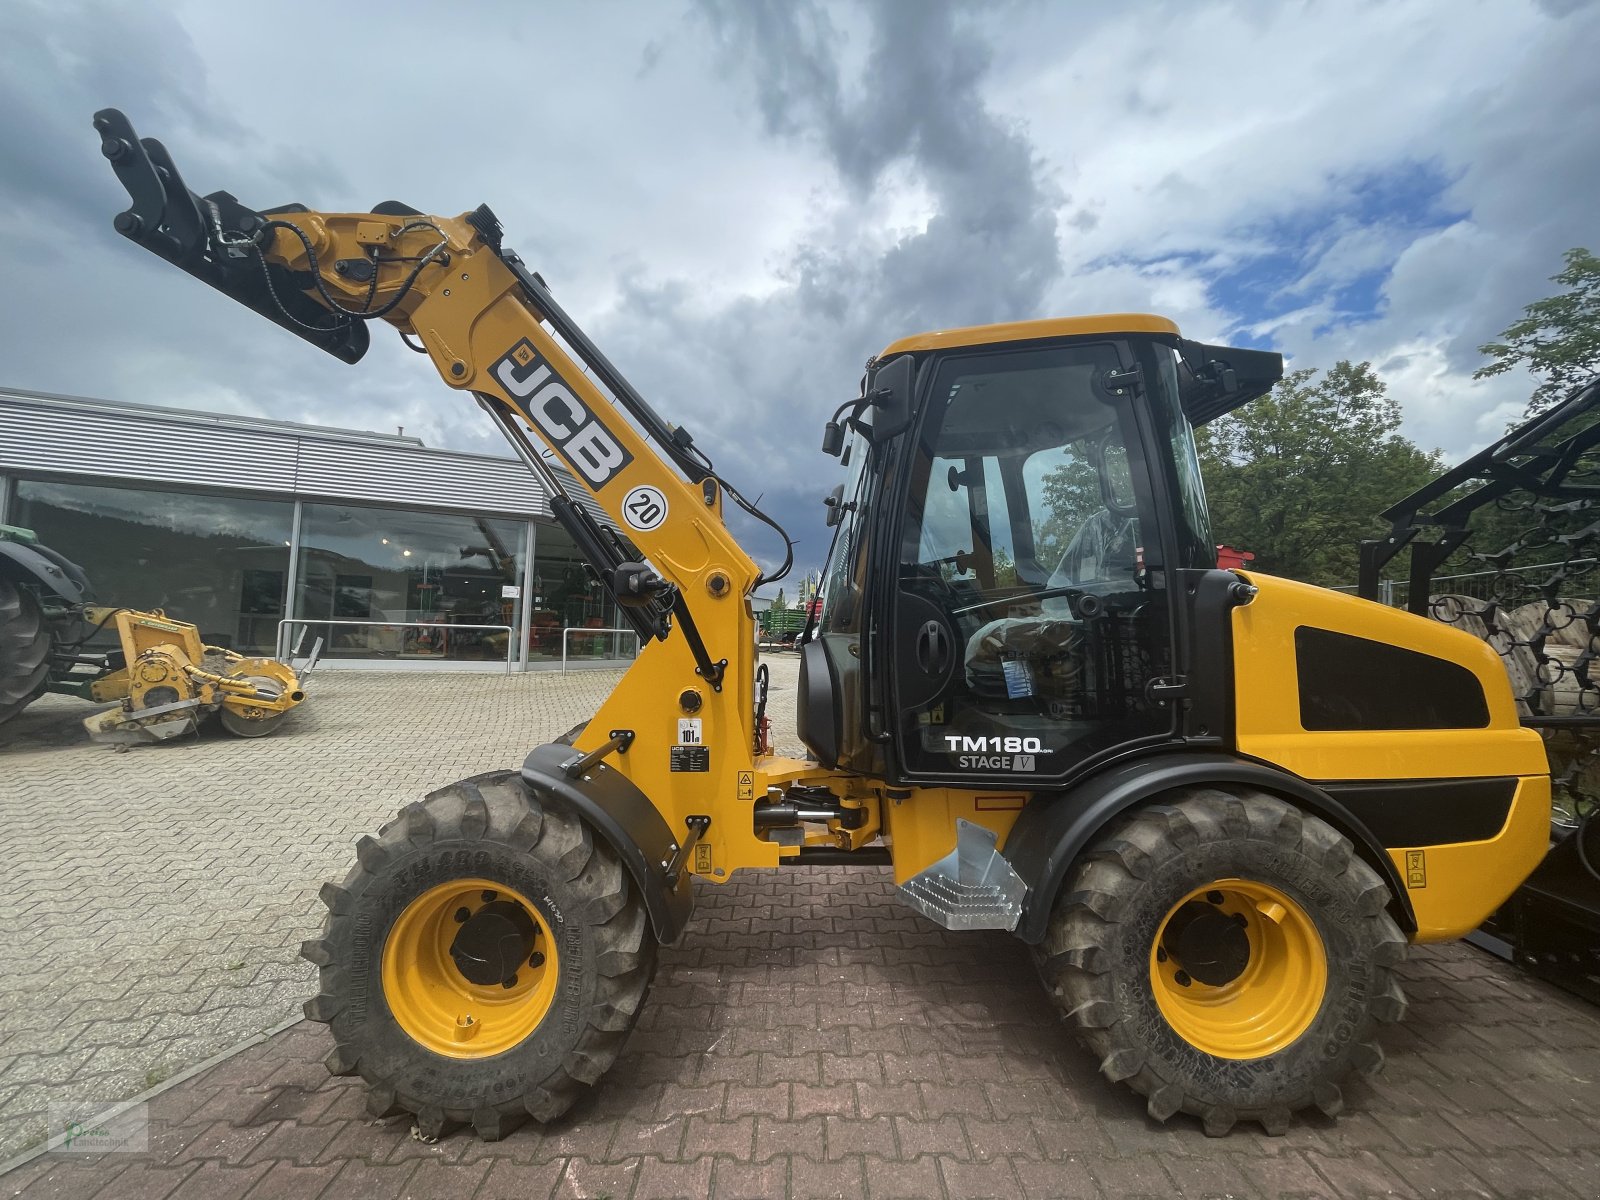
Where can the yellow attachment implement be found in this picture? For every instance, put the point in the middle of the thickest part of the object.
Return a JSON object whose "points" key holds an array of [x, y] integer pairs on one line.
{"points": [[170, 680]]}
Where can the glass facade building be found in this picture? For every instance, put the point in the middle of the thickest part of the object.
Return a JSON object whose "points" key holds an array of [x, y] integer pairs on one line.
{"points": [[470, 570]]}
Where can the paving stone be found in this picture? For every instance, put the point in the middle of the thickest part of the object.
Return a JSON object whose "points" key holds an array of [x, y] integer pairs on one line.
{"points": [[214, 1181], [445, 1181], [291, 1181], [585, 1180], [979, 1181], [64, 1179], [509, 1180], [1436, 1174], [749, 1181], [372, 1181], [1288, 1176], [810, 1180], [943, 1137], [1068, 1180], [673, 1181]]}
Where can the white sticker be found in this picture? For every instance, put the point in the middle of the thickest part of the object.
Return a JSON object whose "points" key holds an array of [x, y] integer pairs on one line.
{"points": [[644, 508], [689, 732], [510, 591]]}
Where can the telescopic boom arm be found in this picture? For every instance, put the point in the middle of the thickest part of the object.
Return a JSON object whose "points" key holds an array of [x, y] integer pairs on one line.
{"points": [[491, 327]]}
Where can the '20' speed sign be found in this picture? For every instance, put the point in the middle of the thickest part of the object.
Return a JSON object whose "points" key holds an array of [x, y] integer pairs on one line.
{"points": [[644, 508]]}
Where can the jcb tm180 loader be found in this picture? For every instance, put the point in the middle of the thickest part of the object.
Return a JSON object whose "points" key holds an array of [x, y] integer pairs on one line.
{"points": [[1216, 804]]}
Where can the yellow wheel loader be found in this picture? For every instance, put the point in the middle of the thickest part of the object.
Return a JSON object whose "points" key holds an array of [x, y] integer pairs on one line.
{"points": [[165, 680], [1217, 805]]}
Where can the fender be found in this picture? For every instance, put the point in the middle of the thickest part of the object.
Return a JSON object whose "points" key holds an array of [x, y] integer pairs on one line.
{"points": [[630, 824], [45, 568], [1056, 827]]}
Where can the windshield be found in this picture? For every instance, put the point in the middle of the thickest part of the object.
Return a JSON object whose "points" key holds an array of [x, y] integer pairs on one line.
{"points": [[1028, 483]]}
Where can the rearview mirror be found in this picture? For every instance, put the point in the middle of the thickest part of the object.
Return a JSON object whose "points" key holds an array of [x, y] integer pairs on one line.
{"points": [[892, 389]]}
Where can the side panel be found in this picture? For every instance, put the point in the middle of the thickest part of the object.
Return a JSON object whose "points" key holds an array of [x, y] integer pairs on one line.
{"points": [[1454, 886], [1268, 686], [1325, 687]]}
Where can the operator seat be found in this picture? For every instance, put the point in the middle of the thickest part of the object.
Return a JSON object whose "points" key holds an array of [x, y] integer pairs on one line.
{"points": [[1014, 657]]}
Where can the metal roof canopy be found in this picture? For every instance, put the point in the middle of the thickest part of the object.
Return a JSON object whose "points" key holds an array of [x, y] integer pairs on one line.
{"points": [[137, 443]]}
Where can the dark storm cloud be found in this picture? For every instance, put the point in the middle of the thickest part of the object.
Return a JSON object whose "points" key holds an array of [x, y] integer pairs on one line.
{"points": [[763, 373]]}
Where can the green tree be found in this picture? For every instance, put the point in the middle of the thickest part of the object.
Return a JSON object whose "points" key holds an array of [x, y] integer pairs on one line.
{"points": [[1558, 338], [780, 604], [1298, 476]]}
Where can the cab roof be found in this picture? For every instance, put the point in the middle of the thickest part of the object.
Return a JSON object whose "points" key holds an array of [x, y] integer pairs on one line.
{"points": [[1023, 331]]}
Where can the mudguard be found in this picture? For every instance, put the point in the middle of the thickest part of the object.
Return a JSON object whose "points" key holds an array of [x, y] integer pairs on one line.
{"points": [[1055, 828], [630, 824], [43, 568]]}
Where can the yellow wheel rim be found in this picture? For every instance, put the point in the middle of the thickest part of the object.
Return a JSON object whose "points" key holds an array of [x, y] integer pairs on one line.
{"points": [[438, 1006], [1257, 970]]}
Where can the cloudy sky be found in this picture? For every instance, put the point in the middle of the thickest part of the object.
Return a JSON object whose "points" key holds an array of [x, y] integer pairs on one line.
{"points": [[742, 201]]}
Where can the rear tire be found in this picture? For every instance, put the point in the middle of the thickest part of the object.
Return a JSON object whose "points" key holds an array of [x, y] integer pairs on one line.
{"points": [[24, 650], [538, 1038], [1294, 932]]}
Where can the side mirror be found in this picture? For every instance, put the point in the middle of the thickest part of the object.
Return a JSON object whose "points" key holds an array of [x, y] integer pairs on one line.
{"points": [[892, 390], [834, 501]]}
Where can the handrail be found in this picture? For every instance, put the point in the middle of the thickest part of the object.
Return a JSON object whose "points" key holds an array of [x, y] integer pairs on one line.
{"points": [[511, 637], [571, 629]]}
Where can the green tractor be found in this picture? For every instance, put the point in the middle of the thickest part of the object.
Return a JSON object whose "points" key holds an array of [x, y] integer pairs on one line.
{"points": [[41, 596]]}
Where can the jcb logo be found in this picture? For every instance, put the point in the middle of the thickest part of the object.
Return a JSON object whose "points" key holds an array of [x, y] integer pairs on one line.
{"points": [[573, 430]]}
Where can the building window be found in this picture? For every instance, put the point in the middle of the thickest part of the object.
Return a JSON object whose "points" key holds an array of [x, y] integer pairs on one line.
{"points": [[220, 562], [422, 575], [567, 596]]}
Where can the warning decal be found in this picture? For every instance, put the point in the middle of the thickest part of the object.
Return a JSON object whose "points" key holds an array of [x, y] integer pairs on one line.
{"points": [[1416, 869]]}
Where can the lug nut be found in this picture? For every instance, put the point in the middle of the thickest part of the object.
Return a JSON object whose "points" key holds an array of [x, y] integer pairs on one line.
{"points": [[1161, 955], [536, 959], [489, 895], [509, 982], [1181, 979], [1213, 897], [462, 914]]}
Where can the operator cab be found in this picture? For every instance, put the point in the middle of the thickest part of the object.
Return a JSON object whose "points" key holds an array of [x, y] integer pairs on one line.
{"points": [[998, 606]]}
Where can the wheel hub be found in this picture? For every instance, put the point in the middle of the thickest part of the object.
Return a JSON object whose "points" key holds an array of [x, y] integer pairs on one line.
{"points": [[470, 968], [495, 941], [1238, 969], [1207, 943]]}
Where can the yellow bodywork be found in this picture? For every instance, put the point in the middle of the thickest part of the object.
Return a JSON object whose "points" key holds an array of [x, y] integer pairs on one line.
{"points": [[1023, 331], [1451, 887]]}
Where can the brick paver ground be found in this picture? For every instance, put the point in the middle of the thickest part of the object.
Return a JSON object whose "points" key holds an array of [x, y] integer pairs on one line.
{"points": [[153, 900], [809, 1036]]}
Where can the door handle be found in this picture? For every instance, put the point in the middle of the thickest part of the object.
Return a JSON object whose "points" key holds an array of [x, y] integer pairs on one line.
{"points": [[933, 648]]}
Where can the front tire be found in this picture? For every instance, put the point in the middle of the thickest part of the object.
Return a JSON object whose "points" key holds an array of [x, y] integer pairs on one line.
{"points": [[24, 650], [1228, 956], [483, 962]]}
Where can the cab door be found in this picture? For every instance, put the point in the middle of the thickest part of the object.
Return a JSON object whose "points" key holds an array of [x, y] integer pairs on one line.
{"points": [[1031, 611]]}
